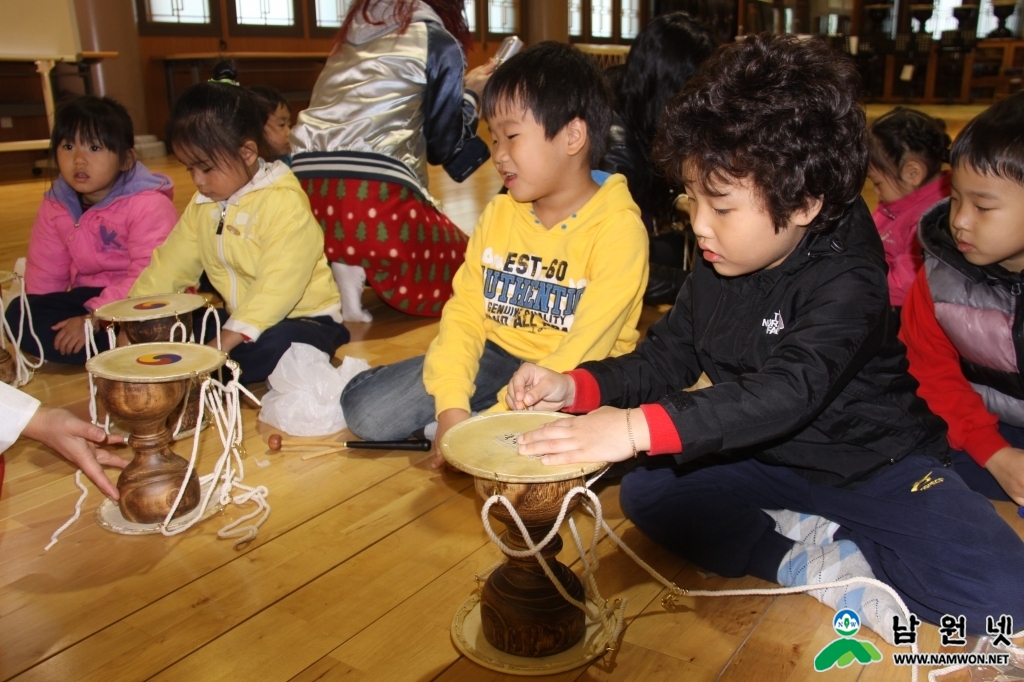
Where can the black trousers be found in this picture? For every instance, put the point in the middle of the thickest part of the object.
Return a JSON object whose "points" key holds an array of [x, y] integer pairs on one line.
{"points": [[48, 310]]}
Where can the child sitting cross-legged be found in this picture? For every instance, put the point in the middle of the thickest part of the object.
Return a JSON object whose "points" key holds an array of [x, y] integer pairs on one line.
{"points": [[811, 415], [963, 317], [554, 272]]}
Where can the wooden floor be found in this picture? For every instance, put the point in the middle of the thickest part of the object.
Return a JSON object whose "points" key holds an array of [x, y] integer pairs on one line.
{"points": [[357, 572]]}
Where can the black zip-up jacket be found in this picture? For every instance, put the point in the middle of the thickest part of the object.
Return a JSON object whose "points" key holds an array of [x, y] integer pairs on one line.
{"points": [[807, 370]]}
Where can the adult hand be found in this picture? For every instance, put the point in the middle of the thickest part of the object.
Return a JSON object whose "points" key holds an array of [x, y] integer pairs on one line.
{"points": [[536, 388], [1007, 467], [477, 78], [75, 440], [446, 420], [70, 335], [601, 436]]}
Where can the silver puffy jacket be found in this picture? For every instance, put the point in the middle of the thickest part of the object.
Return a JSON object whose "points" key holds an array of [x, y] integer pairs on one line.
{"points": [[386, 104]]}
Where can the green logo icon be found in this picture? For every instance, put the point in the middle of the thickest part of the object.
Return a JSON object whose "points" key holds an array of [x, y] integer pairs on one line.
{"points": [[845, 650]]}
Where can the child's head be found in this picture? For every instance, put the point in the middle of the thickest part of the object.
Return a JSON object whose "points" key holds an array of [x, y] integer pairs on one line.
{"points": [[548, 109], [987, 189], [92, 143], [278, 124], [906, 150], [769, 142], [216, 130]]}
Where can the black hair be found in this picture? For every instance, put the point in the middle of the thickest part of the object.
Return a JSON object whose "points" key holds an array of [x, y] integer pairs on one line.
{"points": [[902, 134], [993, 142], [663, 58], [778, 111], [556, 83], [215, 119], [225, 71], [269, 99], [94, 120]]}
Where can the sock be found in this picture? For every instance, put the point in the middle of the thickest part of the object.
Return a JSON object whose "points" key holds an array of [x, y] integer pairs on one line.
{"points": [[816, 564], [806, 528], [350, 280]]}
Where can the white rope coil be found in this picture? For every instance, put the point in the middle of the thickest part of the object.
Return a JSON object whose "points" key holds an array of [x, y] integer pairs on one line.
{"points": [[78, 511], [24, 369]]}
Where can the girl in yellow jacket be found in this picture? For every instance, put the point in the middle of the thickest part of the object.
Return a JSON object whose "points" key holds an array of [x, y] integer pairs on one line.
{"points": [[250, 228]]}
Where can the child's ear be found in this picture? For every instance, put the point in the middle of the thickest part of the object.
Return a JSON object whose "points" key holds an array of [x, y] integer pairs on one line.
{"points": [[576, 136], [913, 173], [805, 215], [129, 160], [249, 152]]}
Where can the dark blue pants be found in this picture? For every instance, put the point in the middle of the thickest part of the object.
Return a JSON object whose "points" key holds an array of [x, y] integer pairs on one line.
{"points": [[944, 548], [48, 310], [259, 358], [977, 477]]}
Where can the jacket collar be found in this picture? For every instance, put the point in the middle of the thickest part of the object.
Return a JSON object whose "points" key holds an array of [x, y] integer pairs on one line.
{"points": [[854, 230], [922, 197], [937, 240], [137, 179], [267, 175]]}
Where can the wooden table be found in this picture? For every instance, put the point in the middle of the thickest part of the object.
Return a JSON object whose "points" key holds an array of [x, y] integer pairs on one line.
{"points": [[44, 66], [196, 60]]}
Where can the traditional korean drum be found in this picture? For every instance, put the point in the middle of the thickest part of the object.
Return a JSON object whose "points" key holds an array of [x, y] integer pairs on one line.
{"points": [[140, 385], [520, 623], [150, 319]]}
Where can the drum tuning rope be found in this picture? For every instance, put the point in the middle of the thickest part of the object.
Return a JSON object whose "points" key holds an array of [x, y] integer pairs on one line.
{"points": [[224, 401], [612, 617], [91, 351], [23, 368]]}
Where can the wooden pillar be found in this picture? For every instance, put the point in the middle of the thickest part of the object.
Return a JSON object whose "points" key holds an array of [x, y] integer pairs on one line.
{"points": [[109, 25], [545, 20]]}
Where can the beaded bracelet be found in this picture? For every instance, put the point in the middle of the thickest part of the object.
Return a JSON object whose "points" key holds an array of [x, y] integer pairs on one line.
{"points": [[629, 429]]}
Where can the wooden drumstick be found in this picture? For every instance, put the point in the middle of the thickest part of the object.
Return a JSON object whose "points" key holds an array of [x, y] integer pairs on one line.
{"points": [[275, 443]]}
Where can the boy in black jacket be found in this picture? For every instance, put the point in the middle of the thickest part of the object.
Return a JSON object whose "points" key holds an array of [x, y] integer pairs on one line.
{"points": [[811, 408]]}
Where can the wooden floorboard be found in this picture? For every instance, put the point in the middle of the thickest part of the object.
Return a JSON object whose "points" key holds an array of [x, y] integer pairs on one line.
{"points": [[362, 564]]}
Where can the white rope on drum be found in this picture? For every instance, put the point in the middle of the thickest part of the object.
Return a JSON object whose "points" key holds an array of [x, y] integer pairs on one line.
{"points": [[78, 511], [91, 351], [23, 368], [612, 619]]}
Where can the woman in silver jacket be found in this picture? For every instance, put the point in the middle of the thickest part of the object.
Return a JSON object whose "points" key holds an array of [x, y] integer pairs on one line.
{"points": [[390, 100]]}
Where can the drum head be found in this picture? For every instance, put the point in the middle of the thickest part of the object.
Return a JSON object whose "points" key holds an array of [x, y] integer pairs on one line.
{"points": [[149, 307], [149, 363], [6, 276], [486, 447]]}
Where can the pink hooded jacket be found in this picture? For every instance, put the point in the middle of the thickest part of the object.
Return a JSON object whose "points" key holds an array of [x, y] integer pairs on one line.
{"points": [[106, 246], [897, 225]]}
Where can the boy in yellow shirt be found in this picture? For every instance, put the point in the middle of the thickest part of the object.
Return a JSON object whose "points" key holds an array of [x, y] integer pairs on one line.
{"points": [[554, 273]]}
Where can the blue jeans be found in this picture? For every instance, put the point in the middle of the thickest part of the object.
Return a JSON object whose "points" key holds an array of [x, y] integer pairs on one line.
{"points": [[391, 403]]}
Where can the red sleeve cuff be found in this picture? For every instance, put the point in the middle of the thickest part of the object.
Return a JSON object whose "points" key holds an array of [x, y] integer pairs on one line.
{"points": [[588, 393], [664, 437], [982, 446]]}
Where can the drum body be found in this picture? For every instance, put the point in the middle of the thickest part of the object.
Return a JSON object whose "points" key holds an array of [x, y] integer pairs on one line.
{"points": [[522, 612], [140, 385], [152, 319]]}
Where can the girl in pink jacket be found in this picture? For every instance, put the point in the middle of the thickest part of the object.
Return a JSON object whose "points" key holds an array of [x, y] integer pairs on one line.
{"points": [[96, 229], [906, 150]]}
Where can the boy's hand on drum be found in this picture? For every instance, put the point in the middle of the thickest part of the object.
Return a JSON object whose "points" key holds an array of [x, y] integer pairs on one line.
{"points": [[76, 440], [601, 436], [1007, 467], [70, 335], [446, 420], [537, 388]]}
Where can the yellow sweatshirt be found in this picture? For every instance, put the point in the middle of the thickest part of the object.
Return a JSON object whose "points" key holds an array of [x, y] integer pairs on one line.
{"points": [[554, 297], [267, 263]]}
